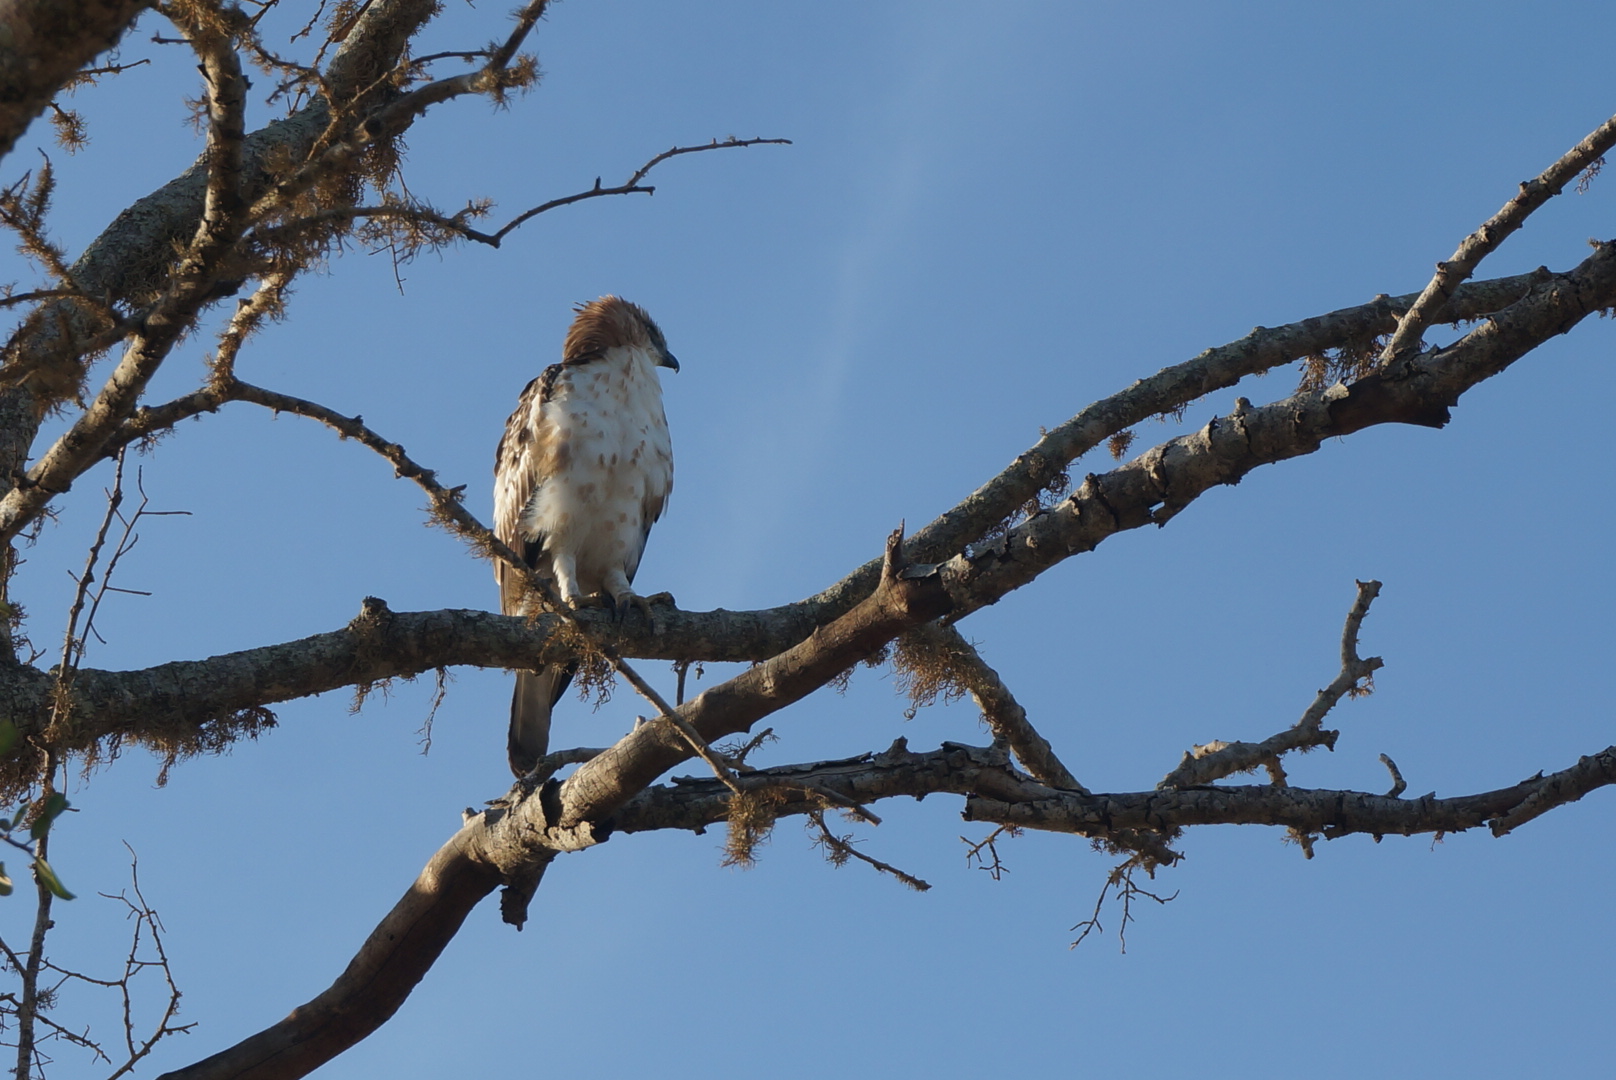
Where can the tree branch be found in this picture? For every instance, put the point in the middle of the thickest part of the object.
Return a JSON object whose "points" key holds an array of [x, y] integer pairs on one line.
{"points": [[1168, 390], [341, 147], [131, 259], [1000, 710], [398, 952], [997, 793], [1149, 489], [376, 982], [43, 44], [1216, 760], [456, 225], [1157, 485], [1481, 243], [1310, 811], [632, 185]]}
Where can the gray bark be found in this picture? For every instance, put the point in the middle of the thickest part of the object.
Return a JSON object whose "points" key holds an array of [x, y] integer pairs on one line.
{"points": [[43, 44]]}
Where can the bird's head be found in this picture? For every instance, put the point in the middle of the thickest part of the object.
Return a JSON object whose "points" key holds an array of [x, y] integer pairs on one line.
{"points": [[611, 323]]}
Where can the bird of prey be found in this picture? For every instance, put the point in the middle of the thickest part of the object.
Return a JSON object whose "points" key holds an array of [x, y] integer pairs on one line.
{"points": [[582, 472]]}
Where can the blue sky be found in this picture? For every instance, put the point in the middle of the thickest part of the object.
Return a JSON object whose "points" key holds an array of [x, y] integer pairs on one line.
{"points": [[990, 216]]}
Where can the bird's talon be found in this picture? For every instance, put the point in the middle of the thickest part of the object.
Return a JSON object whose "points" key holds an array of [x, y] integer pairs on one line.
{"points": [[622, 602]]}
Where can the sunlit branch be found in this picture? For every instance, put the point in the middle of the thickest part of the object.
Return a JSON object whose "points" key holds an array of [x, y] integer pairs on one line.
{"points": [[1479, 244]]}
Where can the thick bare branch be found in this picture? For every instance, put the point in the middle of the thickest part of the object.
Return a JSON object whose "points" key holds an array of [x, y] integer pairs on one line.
{"points": [[1150, 489], [1215, 369], [43, 44], [996, 793], [1157, 485], [376, 982], [1309, 811], [227, 108]]}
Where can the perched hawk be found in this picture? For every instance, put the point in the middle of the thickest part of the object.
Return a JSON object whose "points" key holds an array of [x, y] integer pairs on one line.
{"points": [[581, 474]]}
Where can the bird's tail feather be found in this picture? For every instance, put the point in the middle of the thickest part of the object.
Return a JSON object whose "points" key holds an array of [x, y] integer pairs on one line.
{"points": [[536, 694]]}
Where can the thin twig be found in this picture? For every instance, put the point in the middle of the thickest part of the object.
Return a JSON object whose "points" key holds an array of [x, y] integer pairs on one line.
{"points": [[838, 849], [73, 643], [813, 791], [681, 668], [457, 223], [1399, 785], [28, 1007], [1121, 877], [632, 185], [973, 854]]}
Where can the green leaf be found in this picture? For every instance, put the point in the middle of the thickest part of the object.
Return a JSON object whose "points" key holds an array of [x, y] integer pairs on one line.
{"points": [[48, 878], [54, 805], [5, 882], [8, 736]]}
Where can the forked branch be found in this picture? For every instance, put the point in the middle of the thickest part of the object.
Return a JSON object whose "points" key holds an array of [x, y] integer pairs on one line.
{"points": [[1216, 760], [1481, 243], [427, 227]]}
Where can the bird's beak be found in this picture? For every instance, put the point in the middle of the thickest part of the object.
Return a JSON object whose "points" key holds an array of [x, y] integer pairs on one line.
{"points": [[668, 361]]}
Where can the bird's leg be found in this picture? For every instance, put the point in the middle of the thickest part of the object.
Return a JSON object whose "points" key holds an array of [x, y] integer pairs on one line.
{"points": [[565, 567], [622, 595]]}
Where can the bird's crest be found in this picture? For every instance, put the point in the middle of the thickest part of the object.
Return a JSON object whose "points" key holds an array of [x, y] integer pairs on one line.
{"points": [[608, 323]]}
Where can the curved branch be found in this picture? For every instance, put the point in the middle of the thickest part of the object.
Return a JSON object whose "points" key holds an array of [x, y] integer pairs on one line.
{"points": [[1169, 389], [1157, 485], [455, 225], [632, 185], [376, 982]]}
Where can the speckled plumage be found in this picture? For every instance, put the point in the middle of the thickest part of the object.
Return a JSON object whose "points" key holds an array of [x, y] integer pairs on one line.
{"points": [[582, 472]]}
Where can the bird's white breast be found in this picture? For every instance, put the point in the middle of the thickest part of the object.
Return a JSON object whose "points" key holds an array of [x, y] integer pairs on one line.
{"points": [[610, 465]]}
